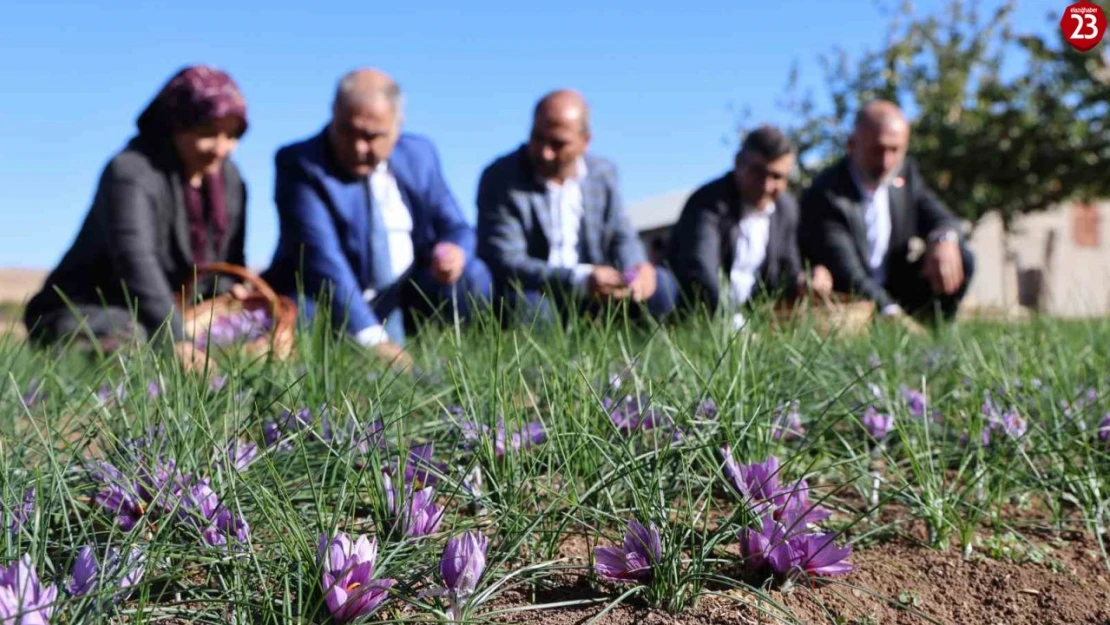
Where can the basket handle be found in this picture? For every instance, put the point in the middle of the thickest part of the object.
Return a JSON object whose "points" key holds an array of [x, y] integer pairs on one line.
{"points": [[242, 273]]}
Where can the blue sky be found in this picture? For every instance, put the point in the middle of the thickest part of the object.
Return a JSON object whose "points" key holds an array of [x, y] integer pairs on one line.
{"points": [[663, 79]]}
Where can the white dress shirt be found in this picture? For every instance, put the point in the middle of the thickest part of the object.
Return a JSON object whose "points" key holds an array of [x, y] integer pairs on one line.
{"points": [[751, 251], [876, 218], [567, 207], [386, 197]]}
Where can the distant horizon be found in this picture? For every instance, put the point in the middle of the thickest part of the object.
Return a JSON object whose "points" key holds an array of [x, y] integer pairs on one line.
{"points": [[664, 86]]}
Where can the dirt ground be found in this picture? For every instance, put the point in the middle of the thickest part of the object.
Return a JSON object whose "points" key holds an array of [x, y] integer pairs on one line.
{"points": [[896, 582]]}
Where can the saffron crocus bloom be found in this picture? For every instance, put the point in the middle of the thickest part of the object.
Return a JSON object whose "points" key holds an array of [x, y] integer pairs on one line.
{"points": [[18, 515], [816, 555], [88, 576], [1104, 429], [350, 590], [241, 454], [766, 550], [787, 424], [23, 599], [878, 425], [462, 565], [915, 401], [635, 559], [416, 513], [758, 486]]}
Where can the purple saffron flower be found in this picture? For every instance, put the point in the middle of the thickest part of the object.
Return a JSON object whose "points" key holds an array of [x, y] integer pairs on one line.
{"points": [[23, 599], [1104, 429], [241, 454], [529, 435], [779, 551], [766, 549], [707, 409], [87, 574], [915, 401], [462, 565], [34, 393], [416, 513], [787, 424], [817, 556], [635, 559], [350, 590], [630, 274], [756, 482], [634, 413], [21, 513], [878, 425], [83, 577], [421, 469], [274, 432], [758, 486], [1013, 425]]}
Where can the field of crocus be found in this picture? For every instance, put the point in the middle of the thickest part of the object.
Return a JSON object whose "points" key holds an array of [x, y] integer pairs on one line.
{"points": [[608, 474]]}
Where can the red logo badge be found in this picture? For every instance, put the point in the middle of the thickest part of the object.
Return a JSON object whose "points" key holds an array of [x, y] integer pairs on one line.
{"points": [[1083, 25]]}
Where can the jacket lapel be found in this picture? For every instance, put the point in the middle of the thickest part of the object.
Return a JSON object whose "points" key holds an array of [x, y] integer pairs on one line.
{"points": [[590, 231], [181, 219], [898, 202], [769, 270], [233, 207], [541, 212]]}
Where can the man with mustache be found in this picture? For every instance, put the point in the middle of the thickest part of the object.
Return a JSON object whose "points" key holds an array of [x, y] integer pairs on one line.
{"points": [[860, 214], [369, 228]]}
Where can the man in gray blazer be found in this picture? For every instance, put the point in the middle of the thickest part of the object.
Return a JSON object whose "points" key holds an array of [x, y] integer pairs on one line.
{"points": [[861, 213], [742, 226], [552, 227]]}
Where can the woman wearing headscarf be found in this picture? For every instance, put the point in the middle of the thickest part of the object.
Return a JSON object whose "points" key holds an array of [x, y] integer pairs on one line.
{"points": [[171, 200]]}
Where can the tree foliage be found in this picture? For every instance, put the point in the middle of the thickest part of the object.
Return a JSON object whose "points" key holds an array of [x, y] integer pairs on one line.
{"points": [[989, 135]]}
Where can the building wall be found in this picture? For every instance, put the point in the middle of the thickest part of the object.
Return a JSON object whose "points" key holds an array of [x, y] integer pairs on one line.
{"points": [[1057, 262]]}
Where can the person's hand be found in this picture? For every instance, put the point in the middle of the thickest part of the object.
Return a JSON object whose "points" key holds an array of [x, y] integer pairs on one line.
{"points": [[448, 261], [193, 359], [641, 281], [820, 284], [239, 292], [607, 282], [944, 267], [394, 355]]}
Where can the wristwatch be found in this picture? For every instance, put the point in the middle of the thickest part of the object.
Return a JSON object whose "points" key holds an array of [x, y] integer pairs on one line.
{"points": [[947, 234]]}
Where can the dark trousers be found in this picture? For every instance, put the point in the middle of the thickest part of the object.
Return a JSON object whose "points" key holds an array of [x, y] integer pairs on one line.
{"points": [[542, 309], [84, 324], [906, 284]]}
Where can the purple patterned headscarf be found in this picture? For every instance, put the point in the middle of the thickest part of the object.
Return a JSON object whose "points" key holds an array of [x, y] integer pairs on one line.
{"points": [[195, 95]]}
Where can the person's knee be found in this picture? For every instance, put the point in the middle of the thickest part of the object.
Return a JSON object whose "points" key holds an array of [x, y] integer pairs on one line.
{"points": [[665, 298], [477, 280]]}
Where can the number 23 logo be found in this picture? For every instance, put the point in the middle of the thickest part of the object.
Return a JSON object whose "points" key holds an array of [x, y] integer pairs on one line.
{"points": [[1088, 20]]}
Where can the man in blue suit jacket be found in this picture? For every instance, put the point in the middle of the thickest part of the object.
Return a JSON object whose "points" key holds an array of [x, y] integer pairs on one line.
{"points": [[552, 227], [368, 224]]}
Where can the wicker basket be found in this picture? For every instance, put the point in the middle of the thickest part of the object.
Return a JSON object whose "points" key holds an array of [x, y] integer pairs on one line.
{"points": [[277, 340], [836, 314]]}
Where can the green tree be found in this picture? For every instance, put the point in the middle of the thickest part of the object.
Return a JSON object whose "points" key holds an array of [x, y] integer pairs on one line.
{"points": [[984, 140]]}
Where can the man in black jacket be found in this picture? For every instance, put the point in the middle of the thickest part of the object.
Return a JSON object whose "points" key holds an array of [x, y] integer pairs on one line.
{"points": [[742, 227], [859, 216]]}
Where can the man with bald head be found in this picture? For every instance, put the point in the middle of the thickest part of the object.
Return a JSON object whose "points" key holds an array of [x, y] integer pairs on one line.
{"points": [[552, 227], [369, 228], [859, 216]]}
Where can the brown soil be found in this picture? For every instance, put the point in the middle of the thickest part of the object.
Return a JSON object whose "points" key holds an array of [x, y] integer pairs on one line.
{"points": [[895, 582]]}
